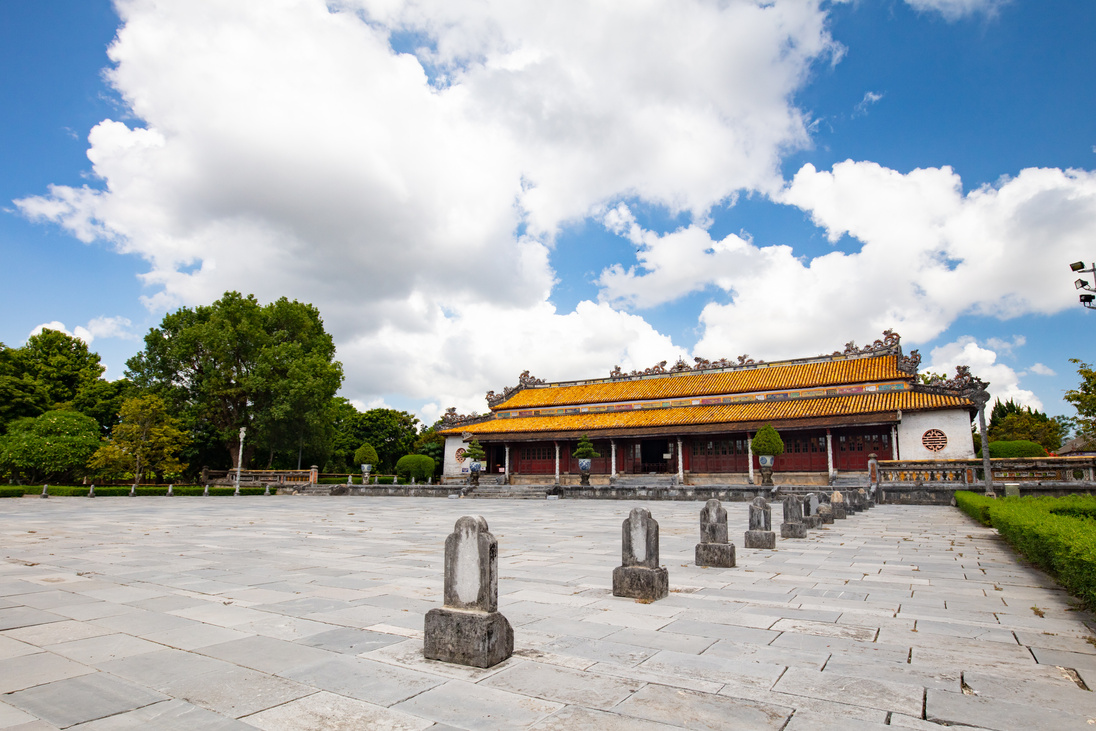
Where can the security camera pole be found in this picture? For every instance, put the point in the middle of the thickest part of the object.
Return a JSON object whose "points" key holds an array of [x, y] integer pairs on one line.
{"points": [[1087, 299]]}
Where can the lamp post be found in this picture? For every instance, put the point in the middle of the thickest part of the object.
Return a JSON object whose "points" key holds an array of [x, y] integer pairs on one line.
{"points": [[240, 460], [1088, 299]]}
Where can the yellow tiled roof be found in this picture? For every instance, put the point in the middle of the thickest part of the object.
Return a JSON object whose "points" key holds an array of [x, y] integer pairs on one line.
{"points": [[721, 414], [762, 378]]}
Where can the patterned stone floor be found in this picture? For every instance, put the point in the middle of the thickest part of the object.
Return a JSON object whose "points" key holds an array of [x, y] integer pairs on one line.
{"points": [[307, 613]]}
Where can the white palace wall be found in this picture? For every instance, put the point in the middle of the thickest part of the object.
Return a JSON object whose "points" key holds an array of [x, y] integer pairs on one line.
{"points": [[451, 467], [954, 423]]}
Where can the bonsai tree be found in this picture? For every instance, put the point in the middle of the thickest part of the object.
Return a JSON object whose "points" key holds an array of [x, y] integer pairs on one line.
{"points": [[585, 450], [767, 444], [365, 454], [767, 441]]}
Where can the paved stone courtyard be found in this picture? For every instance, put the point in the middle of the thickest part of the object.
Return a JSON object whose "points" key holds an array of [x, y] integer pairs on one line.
{"points": [[307, 613]]}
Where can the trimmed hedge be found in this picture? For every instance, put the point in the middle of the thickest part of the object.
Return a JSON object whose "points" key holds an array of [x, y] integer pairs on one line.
{"points": [[975, 505], [117, 491], [418, 466], [1056, 534], [1015, 450]]}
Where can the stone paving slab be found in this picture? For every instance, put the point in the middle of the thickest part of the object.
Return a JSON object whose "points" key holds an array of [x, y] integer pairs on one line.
{"points": [[293, 613]]}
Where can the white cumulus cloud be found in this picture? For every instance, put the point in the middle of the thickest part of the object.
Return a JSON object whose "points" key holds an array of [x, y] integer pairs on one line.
{"points": [[956, 9], [283, 147], [1004, 382]]}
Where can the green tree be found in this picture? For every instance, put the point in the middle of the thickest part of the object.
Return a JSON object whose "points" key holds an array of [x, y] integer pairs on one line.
{"points": [[1027, 425], [584, 449], [236, 363], [102, 401], [62, 364], [767, 441], [1083, 398], [146, 438], [365, 454], [55, 446], [392, 433]]}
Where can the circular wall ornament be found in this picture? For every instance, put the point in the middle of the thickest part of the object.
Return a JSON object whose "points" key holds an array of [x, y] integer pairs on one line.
{"points": [[460, 454], [934, 440]]}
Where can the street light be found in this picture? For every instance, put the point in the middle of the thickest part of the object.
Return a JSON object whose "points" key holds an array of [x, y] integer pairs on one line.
{"points": [[1086, 299]]}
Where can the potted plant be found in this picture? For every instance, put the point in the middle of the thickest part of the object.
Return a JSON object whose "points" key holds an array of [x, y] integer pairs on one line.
{"points": [[584, 453], [475, 455], [767, 444]]}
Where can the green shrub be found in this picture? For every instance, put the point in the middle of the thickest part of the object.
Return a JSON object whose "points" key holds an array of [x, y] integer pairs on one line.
{"points": [[365, 454], [418, 466], [767, 441], [1056, 534], [12, 492], [975, 505], [1015, 450]]}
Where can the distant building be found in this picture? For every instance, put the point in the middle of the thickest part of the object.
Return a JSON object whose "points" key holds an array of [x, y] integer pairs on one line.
{"points": [[832, 411], [1082, 446]]}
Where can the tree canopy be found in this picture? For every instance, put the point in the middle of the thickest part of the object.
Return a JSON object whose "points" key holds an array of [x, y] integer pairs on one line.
{"points": [[145, 438], [236, 363], [55, 446], [1083, 398]]}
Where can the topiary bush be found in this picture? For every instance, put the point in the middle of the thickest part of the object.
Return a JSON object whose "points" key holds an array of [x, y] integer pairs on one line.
{"points": [[767, 441], [418, 466], [365, 454], [1015, 450]]}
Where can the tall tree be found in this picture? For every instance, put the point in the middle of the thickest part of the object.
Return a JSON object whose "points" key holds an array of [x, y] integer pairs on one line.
{"points": [[146, 438], [392, 433], [61, 363], [236, 364], [1083, 398], [1028, 425], [55, 446]]}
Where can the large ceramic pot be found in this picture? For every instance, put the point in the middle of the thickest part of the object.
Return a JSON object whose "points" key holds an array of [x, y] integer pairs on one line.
{"points": [[766, 462], [474, 469], [584, 468]]}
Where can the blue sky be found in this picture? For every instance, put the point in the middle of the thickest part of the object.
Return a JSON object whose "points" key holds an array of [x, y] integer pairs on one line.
{"points": [[467, 190]]}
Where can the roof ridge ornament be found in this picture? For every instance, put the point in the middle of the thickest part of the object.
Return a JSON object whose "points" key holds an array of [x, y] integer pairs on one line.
{"points": [[524, 381], [890, 339], [963, 384], [451, 419]]}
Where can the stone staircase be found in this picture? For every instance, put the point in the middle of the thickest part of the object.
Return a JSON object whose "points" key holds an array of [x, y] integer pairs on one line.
{"points": [[509, 492]]}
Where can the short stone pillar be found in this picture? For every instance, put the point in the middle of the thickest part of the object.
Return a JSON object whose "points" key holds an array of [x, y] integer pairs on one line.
{"points": [[865, 499], [825, 514], [714, 549], [45, 491], [760, 533], [469, 630], [793, 526], [639, 576], [91, 492], [837, 505], [171, 489], [810, 511], [205, 491]]}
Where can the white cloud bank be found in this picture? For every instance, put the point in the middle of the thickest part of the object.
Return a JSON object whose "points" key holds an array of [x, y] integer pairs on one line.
{"points": [[99, 327], [924, 254], [282, 147]]}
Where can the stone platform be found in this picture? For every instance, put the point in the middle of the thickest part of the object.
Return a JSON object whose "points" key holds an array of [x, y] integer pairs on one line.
{"points": [[295, 613]]}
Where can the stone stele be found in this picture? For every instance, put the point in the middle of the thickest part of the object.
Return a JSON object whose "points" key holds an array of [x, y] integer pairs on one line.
{"points": [[793, 526], [760, 533], [469, 630], [714, 549], [837, 505], [640, 576], [810, 511]]}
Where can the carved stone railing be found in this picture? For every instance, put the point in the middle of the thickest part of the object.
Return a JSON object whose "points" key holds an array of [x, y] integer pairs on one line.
{"points": [[952, 472]]}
